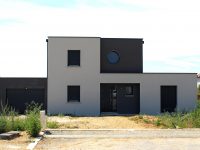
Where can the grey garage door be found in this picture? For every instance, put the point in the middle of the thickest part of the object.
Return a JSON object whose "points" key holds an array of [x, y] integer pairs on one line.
{"points": [[18, 98]]}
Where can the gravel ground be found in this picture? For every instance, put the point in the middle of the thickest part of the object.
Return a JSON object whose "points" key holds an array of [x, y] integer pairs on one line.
{"points": [[103, 122], [19, 143]]}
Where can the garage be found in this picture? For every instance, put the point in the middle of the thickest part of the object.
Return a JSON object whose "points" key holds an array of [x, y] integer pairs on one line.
{"points": [[19, 98], [17, 92]]}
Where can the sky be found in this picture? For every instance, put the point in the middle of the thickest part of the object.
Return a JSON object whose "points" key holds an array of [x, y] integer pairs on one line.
{"points": [[170, 30]]}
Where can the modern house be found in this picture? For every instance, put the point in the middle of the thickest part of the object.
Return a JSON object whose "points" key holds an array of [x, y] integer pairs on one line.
{"points": [[92, 75], [198, 80]]}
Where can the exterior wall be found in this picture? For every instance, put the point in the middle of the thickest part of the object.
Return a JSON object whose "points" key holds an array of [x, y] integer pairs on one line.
{"points": [[130, 55], [87, 75], [20, 83], [150, 89]]}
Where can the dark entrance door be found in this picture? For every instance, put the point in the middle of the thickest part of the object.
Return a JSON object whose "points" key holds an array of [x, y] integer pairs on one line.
{"points": [[128, 99], [168, 98], [120, 98], [18, 98], [108, 98]]}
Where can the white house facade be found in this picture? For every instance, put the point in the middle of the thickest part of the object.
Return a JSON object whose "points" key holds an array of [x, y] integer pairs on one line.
{"points": [[91, 75]]}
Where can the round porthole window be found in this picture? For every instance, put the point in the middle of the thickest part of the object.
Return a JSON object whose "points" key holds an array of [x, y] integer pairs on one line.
{"points": [[113, 57]]}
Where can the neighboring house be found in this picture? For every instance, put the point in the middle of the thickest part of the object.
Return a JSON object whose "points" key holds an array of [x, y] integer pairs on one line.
{"points": [[92, 75], [198, 80]]}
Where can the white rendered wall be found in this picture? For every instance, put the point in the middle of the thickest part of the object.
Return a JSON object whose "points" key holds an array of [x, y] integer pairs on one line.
{"points": [[150, 89], [87, 76]]}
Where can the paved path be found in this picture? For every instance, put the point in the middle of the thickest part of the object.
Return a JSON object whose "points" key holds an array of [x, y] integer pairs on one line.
{"points": [[166, 139], [126, 133]]}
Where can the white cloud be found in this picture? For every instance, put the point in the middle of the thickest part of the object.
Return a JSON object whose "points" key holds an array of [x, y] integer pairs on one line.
{"points": [[169, 28]]}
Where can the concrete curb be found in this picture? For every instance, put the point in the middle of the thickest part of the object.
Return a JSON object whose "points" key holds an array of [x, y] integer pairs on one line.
{"points": [[32, 145]]}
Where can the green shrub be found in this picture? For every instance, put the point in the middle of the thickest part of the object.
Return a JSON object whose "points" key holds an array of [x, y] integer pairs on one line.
{"points": [[3, 124], [33, 107], [7, 115], [19, 124], [33, 124], [52, 124]]}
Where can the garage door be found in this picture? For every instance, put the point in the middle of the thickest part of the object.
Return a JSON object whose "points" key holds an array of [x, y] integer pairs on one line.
{"points": [[18, 98]]}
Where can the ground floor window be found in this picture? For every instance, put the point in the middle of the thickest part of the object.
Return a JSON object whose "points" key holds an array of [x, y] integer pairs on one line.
{"points": [[73, 93]]}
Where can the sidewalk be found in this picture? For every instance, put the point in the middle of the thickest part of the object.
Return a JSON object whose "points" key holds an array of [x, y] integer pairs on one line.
{"points": [[123, 133]]}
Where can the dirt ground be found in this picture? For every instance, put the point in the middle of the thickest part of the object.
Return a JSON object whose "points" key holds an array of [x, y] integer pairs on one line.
{"points": [[17, 143], [104, 122], [119, 144]]}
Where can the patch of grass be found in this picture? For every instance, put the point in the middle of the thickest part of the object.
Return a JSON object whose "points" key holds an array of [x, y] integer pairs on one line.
{"points": [[181, 119], [52, 124], [172, 120], [71, 126], [157, 122], [147, 121], [140, 117], [61, 115]]}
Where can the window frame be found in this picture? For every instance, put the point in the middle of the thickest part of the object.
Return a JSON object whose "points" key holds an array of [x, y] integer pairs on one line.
{"points": [[132, 92], [69, 100], [111, 53], [68, 58]]}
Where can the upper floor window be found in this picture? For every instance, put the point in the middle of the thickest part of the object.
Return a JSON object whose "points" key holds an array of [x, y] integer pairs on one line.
{"points": [[113, 57], [73, 57]]}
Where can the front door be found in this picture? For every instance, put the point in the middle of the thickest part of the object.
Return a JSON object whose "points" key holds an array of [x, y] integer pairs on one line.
{"points": [[168, 98], [108, 98]]}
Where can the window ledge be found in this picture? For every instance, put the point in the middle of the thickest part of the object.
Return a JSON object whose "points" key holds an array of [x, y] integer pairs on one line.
{"points": [[72, 66], [73, 101]]}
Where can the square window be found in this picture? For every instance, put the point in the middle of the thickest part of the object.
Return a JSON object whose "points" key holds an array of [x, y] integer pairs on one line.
{"points": [[73, 57], [73, 93], [129, 90]]}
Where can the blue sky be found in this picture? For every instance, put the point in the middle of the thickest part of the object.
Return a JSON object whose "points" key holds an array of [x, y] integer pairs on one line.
{"points": [[170, 30]]}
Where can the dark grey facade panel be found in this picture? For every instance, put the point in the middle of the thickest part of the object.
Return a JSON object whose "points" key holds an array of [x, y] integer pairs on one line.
{"points": [[116, 98], [7, 85], [130, 55]]}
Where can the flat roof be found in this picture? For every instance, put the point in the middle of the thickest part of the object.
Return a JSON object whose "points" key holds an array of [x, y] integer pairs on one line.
{"points": [[72, 37], [93, 37], [169, 73]]}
